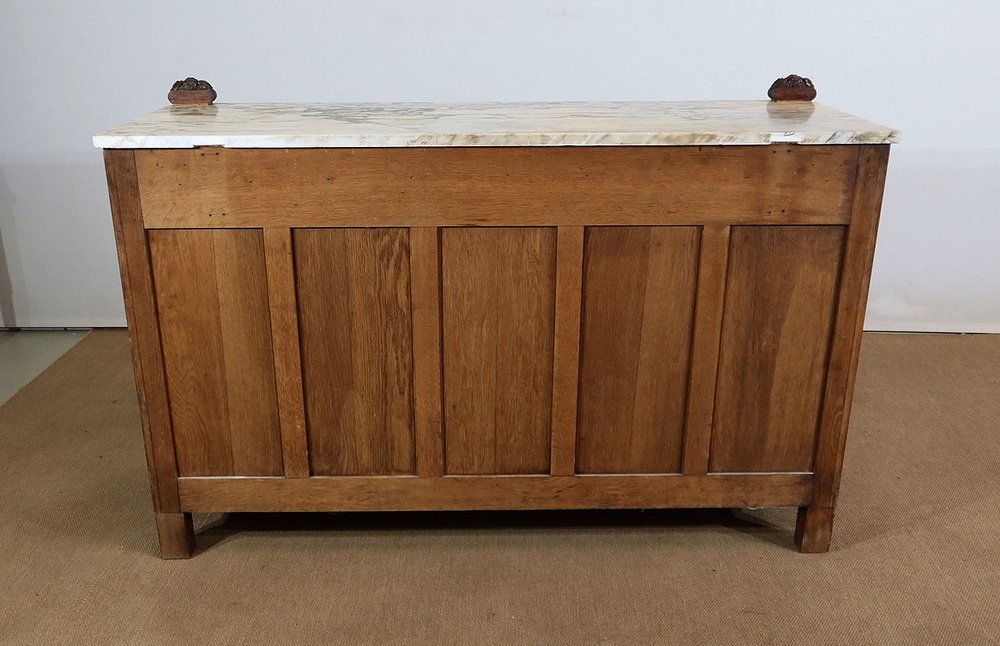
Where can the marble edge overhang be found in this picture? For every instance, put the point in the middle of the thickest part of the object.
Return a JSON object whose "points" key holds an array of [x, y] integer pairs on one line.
{"points": [[110, 141], [408, 128]]}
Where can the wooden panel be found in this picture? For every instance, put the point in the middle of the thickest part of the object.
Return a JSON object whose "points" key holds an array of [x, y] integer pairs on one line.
{"points": [[212, 300], [566, 352], [425, 271], [143, 328], [287, 362], [638, 311], [354, 317], [497, 186], [494, 492], [498, 307], [705, 347], [851, 303], [780, 296], [814, 526]]}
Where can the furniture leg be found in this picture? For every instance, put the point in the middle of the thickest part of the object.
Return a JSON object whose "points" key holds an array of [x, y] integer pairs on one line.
{"points": [[176, 534], [813, 529]]}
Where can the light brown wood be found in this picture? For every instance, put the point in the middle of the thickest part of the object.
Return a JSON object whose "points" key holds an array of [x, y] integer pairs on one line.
{"points": [[498, 294], [710, 300], [287, 362], [638, 311], [816, 522], [353, 291], [187, 297], [368, 329], [574, 186], [212, 301], [175, 532], [143, 328], [814, 529], [425, 276], [494, 492], [780, 296], [566, 350]]}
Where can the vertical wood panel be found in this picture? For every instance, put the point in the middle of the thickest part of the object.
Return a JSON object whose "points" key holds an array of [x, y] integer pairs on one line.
{"points": [[705, 347], [212, 301], [248, 361], [851, 302], [814, 526], [287, 360], [354, 315], [566, 352], [188, 300], [782, 281], [498, 287], [143, 327], [425, 275], [638, 311]]}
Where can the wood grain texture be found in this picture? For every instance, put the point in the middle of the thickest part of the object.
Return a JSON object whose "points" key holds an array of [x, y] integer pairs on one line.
{"points": [[212, 299], [714, 257], [638, 311], [425, 276], [494, 492], [287, 361], [780, 297], [566, 351], [175, 532], [353, 290], [143, 328], [574, 186], [815, 525], [614, 316], [814, 529], [498, 293]]}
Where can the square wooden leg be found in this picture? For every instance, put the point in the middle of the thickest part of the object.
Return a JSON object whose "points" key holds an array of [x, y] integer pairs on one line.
{"points": [[814, 529], [176, 533]]}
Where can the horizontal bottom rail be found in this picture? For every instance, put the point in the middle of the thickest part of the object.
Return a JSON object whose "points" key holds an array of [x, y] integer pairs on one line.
{"points": [[409, 493]]}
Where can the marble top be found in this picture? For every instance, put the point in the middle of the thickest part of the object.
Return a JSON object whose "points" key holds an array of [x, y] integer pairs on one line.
{"points": [[351, 125]]}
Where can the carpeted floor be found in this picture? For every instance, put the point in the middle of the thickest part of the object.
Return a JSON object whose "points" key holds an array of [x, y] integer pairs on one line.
{"points": [[915, 559]]}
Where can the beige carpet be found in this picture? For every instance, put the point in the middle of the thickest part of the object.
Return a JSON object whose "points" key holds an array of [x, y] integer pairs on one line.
{"points": [[915, 559]]}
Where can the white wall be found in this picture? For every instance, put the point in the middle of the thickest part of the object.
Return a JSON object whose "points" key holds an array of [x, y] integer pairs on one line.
{"points": [[68, 70]]}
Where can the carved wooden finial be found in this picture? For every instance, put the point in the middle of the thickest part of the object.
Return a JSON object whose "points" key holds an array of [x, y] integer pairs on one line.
{"points": [[792, 88], [191, 91]]}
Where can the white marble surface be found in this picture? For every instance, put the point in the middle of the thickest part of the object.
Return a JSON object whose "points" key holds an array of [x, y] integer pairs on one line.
{"points": [[350, 125]]}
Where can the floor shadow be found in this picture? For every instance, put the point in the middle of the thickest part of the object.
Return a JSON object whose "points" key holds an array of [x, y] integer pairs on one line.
{"points": [[218, 528]]}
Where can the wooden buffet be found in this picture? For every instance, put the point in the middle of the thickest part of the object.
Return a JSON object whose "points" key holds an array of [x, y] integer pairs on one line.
{"points": [[524, 306]]}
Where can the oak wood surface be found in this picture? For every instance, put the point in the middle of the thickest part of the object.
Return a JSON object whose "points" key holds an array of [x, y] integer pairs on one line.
{"points": [[498, 294], [566, 349], [479, 318], [216, 335], [814, 529], [175, 532], [710, 299], [143, 327], [353, 292], [495, 492], [287, 362], [425, 277], [851, 302], [780, 295], [638, 310], [695, 185]]}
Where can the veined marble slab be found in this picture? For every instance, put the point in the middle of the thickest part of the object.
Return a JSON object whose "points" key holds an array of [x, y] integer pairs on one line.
{"points": [[351, 125]]}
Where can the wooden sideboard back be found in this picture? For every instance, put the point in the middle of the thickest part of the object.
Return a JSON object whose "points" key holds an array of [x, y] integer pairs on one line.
{"points": [[391, 324]]}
